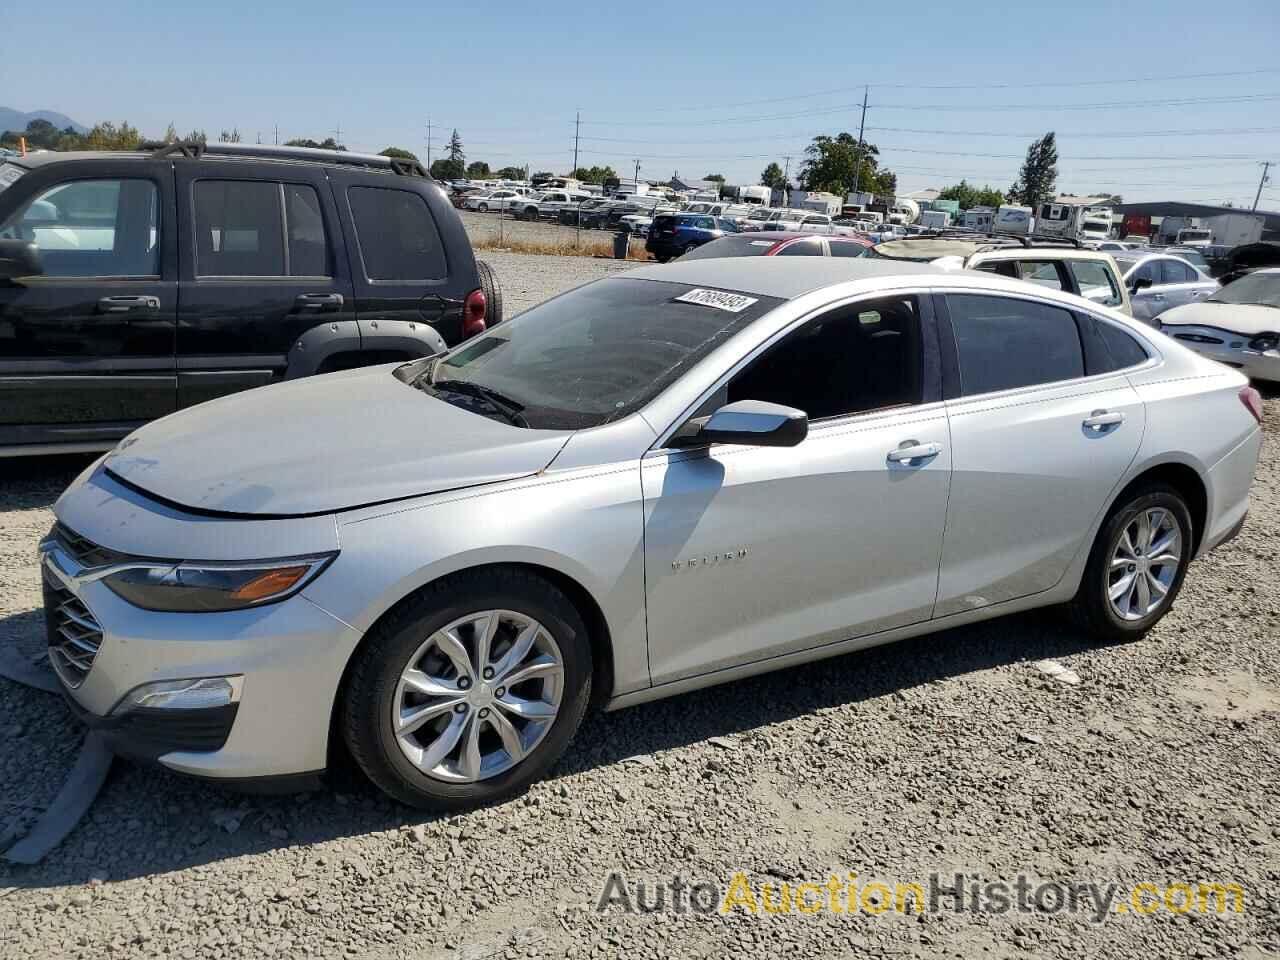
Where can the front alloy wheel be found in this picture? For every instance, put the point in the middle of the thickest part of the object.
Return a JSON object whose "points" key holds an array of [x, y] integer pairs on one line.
{"points": [[478, 696], [468, 690]]}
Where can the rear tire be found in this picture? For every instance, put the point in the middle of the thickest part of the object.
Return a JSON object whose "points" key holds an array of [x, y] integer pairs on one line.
{"points": [[375, 694], [689, 249], [1120, 596], [492, 291]]}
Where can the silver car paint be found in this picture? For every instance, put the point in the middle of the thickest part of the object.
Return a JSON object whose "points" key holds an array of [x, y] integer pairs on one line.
{"points": [[598, 515], [1150, 302]]}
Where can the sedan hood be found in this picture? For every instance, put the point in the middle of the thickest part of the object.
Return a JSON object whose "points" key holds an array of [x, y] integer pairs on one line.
{"points": [[323, 444], [1244, 318]]}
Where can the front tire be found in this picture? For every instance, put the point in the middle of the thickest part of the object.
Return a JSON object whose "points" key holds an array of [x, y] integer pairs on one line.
{"points": [[468, 691], [1137, 565]]}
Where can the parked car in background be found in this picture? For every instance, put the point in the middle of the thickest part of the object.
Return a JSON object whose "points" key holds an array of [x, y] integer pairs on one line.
{"points": [[495, 200], [1193, 255], [780, 243], [570, 215], [116, 309], [657, 482], [547, 205], [1158, 281], [1052, 265], [673, 234], [1238, 325]]}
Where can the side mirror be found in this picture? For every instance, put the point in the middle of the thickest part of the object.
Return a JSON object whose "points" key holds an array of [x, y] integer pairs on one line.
{"points": [[1141, 283], [19, 258], [753, 422]]}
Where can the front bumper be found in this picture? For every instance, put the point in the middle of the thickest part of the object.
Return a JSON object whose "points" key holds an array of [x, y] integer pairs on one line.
{"points": [[1226, 347], [289, 656]]}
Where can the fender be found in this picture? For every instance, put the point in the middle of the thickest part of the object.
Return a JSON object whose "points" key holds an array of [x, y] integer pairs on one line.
{"points": [[309, 352]]}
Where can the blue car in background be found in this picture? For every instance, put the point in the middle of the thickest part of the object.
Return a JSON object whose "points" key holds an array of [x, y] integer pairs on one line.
{"points": [[674, 234]]}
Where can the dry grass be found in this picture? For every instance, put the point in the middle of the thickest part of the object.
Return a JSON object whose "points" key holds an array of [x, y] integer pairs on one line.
{"points": [[589, 247]]}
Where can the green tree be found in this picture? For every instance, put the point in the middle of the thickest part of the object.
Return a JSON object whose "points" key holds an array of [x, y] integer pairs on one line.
{"points": [[838, 164], [717, 177], [454, 150], [171, 133], [397, 153], [1038, 179], [511, 173], [595, 174], [328, 143], [107, 136], [197, 136], [229, 136], [478, 170], [771, 176], [448, 169], [968, 195]]}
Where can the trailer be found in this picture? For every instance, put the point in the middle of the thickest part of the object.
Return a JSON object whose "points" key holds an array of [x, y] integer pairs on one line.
{"points": [[1013, 219], [1234, 229], [979, 218]]}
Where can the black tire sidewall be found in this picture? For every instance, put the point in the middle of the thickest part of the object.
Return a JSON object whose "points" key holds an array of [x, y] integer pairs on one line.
{"points": [[372, 724], [1097, 582]]}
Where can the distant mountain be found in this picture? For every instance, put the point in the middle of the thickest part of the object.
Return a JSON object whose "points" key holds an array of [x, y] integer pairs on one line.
{"points": [[17, 121]]}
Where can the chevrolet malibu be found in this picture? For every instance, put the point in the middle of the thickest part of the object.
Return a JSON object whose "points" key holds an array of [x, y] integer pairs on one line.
{"points": [[656, 482]]}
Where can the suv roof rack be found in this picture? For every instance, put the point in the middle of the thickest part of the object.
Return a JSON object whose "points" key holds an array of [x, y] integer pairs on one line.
{"points": [[195, 149], [986, 236]]}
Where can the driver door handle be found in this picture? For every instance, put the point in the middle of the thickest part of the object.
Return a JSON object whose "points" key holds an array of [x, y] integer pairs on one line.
{"points": [[911, 450], [1100, 419], [127, 304]]}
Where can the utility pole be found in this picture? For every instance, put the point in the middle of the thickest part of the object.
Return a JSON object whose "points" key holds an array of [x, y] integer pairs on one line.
{"points": [[857, 170], [786, 181], [428, 143], [337, 135], [277, 134], [1261, 183], [577, 124], [637, 176]]}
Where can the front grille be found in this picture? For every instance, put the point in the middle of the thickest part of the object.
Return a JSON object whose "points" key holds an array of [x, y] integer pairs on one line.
{"points": [[85, 552], [74, 634]]}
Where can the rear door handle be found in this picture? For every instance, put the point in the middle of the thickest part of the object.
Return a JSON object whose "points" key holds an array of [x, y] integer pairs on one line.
{"points": [[128, 304], [1100, 419], [914, 450], [319, 302]]}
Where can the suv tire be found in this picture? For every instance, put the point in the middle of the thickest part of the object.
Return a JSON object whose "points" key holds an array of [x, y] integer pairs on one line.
{"points": [[1122, 555], [492, 291], [375, 691]]}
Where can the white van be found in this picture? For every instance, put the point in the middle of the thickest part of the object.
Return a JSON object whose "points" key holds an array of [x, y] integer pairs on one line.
{"points": [[1012, 219]]}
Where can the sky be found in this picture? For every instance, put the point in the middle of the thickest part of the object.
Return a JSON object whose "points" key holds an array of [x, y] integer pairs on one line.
{"points": [[1169, 100]]}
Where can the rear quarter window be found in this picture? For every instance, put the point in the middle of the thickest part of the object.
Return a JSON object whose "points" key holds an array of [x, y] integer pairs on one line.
{"points": [[1004, 342], [397, 235]]}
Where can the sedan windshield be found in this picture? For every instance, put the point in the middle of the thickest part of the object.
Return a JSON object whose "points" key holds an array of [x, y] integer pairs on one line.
{"points": [[1261, 288], [594, 354]]}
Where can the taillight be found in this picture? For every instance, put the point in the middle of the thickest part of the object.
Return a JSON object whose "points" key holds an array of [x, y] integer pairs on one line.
{"points": [[473, 309], [1252, 400]]}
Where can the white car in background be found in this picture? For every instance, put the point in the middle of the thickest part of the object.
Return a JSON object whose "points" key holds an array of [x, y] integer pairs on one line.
{"points": [[494, 200], [1239, 325], [1159, 281]]}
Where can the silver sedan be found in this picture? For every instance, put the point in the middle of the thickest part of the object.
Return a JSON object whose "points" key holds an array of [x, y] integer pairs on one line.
{"points": [[659, 481]]}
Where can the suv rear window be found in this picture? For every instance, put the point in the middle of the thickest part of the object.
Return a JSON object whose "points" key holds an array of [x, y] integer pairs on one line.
{"points": [[241, 230], [397, 235]]}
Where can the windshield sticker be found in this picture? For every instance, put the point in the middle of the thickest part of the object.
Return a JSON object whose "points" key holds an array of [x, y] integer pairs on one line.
{"points": [[732, 302]]}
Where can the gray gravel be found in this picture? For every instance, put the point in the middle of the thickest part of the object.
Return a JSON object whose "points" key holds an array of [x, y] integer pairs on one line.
{"points": [[949, 752], [529, 279]]}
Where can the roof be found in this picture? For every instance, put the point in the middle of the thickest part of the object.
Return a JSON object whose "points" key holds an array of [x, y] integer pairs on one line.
{"points": [[222, 151], [43, 157], [1176, 208], [1047, 253], [782, 277]]}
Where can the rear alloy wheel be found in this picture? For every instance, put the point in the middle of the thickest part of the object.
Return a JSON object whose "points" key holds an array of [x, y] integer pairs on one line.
{"points": [[1137, 565], [690, 248], [469, 691]]}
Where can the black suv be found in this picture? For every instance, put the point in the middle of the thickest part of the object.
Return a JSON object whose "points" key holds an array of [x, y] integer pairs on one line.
{"points": [[136, 284]]}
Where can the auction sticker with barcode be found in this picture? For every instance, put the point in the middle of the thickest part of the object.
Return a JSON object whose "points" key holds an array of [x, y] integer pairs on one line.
{"points": [[732, 302]]}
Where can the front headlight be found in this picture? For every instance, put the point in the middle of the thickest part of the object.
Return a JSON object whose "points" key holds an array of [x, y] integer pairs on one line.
{"points": [[206, 587]]}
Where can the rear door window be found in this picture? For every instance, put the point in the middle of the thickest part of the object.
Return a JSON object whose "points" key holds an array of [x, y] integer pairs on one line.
{"points": [[802, 248], [1003, 343], [396, 234], [1041, 272], [1095, 282], [1125, 350], [1173, 271], [239, 229], [308, 243]]}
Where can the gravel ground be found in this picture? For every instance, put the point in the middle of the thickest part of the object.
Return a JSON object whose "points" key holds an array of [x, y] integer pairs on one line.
{"points": [[948, 753], [528, 279]]}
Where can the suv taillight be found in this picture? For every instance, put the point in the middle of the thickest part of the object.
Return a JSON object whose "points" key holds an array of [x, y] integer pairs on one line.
{"points": [[473, 313], [1252, 401]]}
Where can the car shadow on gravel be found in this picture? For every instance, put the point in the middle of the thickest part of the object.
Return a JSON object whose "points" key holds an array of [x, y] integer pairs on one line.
{"points": [[29, 483], [149, 821]]}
